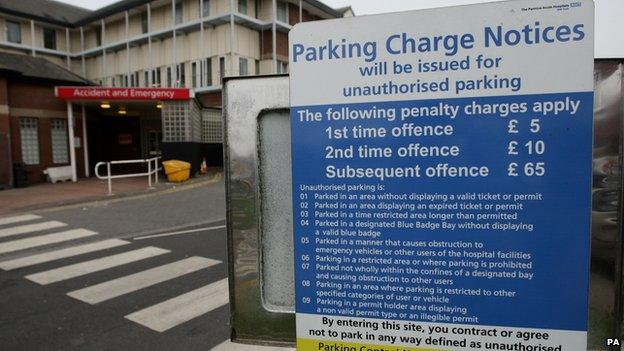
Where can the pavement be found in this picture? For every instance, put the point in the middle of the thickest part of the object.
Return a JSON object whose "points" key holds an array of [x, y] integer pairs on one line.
{"points": [[145, 272], [47, 195]]}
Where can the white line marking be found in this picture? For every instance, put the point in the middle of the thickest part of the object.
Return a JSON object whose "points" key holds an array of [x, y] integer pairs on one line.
{"points": [[27, 243], [183, 308], [124, 285], [180, 232], [16, 219], [58, 254], [99, 264], [29, 228], [230, 346]]}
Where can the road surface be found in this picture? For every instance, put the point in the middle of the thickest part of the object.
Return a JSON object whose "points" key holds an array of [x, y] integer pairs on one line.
{"points": [[137, 274]]}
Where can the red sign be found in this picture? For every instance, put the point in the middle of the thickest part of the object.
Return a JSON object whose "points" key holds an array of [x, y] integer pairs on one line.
{"points": [[102, 93]]}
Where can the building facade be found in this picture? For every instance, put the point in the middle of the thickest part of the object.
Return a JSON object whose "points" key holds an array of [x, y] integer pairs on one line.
{"points": [[162, 43], [132, 44], [33, 123]]}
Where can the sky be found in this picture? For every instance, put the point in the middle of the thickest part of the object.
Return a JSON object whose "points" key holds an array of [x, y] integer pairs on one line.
{"points": [[609, 16]]}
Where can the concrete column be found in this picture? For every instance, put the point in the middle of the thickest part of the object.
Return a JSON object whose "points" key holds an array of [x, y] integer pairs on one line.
{"points": [[67, 48], [202, 47], [103, 37], [82, 49], [274, 37], [32, 38], [128, 47], [85, 141], [174, 71], [149, 43], [72, 146], [232, 10]]}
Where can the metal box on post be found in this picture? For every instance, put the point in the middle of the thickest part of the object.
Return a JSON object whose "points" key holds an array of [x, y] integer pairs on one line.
{"points": [[259, 208]]}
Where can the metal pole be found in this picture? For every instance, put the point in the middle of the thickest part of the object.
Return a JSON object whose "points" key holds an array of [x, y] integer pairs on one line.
{"points": [[85, 140], [149, 174], [156, 164], [110, 181], [300, 11], [72, 150]]}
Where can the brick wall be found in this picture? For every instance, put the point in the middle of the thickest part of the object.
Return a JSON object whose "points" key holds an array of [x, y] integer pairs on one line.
{"points": [[210, 99], [5, 153], [37, 100], [266, 45]]}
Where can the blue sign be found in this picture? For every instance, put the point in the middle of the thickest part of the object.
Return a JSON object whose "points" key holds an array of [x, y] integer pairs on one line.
{"points": [[441, 182]]}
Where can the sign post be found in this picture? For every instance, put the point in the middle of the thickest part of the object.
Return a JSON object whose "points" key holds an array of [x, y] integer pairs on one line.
{"points": [[441, 178]]}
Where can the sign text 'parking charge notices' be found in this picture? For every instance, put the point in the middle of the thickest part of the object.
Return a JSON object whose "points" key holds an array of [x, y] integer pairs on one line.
{"points": [[441, 178]]}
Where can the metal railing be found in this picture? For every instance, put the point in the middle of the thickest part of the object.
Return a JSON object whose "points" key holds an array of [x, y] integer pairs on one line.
{"points": [[151, 170]]}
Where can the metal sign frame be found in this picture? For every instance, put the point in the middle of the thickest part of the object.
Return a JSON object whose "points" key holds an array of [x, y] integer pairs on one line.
{"points": [[246, 99]]}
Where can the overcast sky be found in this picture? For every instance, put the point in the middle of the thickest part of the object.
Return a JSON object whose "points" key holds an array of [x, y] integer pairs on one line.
{"points": [[609, 16]]}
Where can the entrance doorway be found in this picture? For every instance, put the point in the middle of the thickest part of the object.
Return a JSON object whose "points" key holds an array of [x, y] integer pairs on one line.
{"points": [[124, 131]]}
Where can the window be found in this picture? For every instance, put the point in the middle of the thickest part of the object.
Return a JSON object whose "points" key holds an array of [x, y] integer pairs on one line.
{"points": [[13, 32], [180, 77], [256, 7], [282, 14], [156, 78], [169, 76], [144, 23], [146, 79], [242, 6], [243, 66], [179, 15], [98, 36], [133, 80], [136, 79], [194, 74], [49, 38], [282, 67], [60, 153], [30, 140], [153, 142], [206, 8], [257, 67], [221, 68], [207, 73]]}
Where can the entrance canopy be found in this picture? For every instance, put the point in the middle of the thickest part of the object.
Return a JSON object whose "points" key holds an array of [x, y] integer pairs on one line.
{"points": [[104, 96], [126, 94]]}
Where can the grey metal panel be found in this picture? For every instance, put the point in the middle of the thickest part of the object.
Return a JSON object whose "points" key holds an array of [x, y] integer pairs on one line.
{"points": [[605, 313], [248, 100], [276, 226], [245, 101]]}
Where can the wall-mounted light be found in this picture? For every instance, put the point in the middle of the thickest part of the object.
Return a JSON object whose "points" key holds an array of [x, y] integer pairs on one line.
{"points": [[122, 110], [105, 104], [159, 104]]}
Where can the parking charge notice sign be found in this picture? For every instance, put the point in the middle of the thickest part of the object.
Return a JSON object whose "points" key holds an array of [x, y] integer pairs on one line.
{"points": [[441, 178]]}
